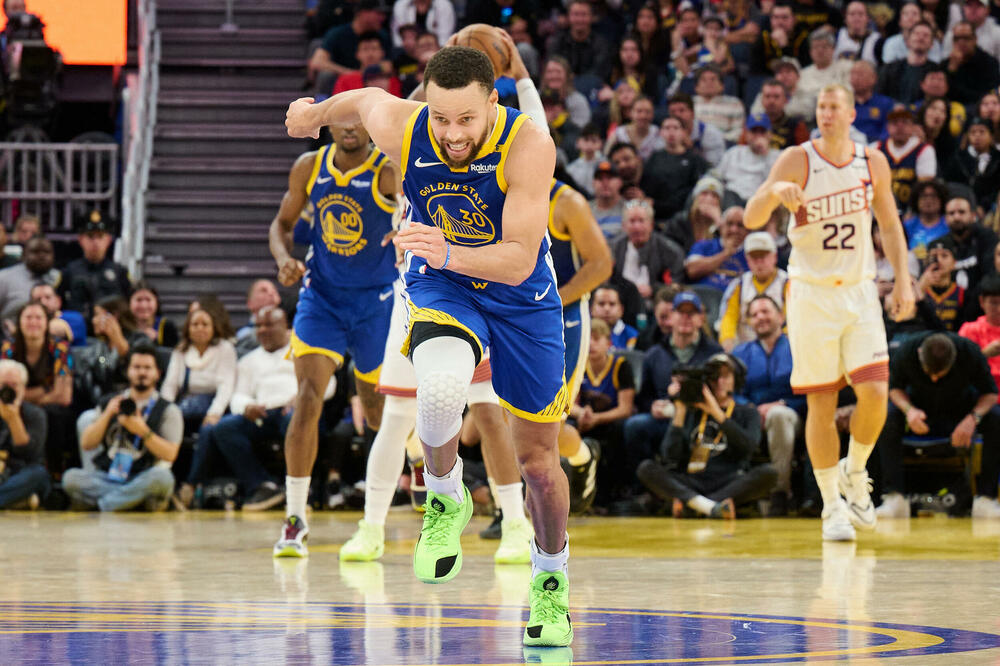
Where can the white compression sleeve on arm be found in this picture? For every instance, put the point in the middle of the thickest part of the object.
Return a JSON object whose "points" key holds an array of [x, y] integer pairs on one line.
{"points": [[530, 102]]}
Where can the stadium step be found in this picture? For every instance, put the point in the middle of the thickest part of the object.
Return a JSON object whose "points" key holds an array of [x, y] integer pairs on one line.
{"points": [[214, 139], [211, 14], [254, 44], [198, 174], [225, 106], [247, 81]]}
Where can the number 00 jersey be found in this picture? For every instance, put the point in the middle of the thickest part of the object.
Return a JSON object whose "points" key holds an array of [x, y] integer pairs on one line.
{"points": [[831, 239]]}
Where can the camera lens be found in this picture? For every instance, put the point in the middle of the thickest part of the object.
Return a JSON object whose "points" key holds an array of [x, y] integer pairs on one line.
{"points": [[127, 407], [7, 395]]}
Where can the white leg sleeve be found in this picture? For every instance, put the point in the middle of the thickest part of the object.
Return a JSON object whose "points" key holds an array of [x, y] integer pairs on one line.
{"points": [[385, 460], [444, 367]]}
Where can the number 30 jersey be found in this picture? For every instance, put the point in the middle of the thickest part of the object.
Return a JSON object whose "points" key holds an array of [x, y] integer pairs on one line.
{"points": [[831, 235]]}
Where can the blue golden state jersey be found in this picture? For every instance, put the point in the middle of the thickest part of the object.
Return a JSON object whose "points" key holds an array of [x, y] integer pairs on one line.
{"points": [[467, 203], [565, 258], [350, 218]]}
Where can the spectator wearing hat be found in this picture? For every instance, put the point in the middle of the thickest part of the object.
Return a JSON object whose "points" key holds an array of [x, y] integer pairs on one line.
{"points": [[928, 223], [372, 70], [702, 217], [608, 204], [744, 168], [856, 40], [910, 159], [338, 53], [786, 130], [787, 72], [977, 166], [705, 140], [937, 284], [764, 277], [705, 464], [900, 80], [824, 70], [782, 39], [35, 268], [670, 174], [985, 331], [435, 16], [871, 109], [95, 275], [589, 156], [713, 107], [687, 346], [647, 260], [972, 72], [977, 14], [718, 261]]}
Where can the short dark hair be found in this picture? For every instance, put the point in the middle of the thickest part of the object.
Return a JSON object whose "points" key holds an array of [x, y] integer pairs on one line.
{"points": [[143, 348], [612, 287], [937, 353], [939, 189], [933, 68], [621, 145], [370, 36], [763, 297], [990, 285], [666, 294], [590, 130], [681, 98], [455, 67]]}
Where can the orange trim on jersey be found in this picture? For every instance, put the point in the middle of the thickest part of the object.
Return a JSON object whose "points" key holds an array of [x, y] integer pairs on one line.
{"points": [[483, 372], [820, 388], [399, 392], [873, 372], [868, 165], [806, 181], [828, 160], [947, 294]]}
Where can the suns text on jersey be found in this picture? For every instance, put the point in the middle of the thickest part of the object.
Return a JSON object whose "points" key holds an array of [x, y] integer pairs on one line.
{"points": [[455, 187], [838, 204]]}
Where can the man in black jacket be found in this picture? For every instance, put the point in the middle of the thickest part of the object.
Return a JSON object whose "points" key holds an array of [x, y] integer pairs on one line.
{"points": [[706, 456], [971, 70], [95, 275], [974, 243], [670, 174], [901, 79], [978, 166]]}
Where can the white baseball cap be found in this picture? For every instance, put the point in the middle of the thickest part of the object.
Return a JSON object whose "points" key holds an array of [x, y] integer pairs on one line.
{"points": [[759, 241]]}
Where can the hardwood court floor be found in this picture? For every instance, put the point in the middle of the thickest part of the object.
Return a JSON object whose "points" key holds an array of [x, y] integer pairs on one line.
{"points": [[202, 588]]}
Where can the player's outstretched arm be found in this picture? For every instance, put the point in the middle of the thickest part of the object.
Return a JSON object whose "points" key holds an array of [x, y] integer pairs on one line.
{"points": [[383, 115], [573, 211], [783, 187], [279, 236], [893, 238]]}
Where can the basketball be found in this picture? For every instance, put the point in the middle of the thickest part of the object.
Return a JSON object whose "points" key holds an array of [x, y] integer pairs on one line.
{"points": [[483, 37]]}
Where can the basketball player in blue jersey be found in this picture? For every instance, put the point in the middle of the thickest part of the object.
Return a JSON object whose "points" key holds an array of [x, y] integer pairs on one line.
{"points": [[478, 275], [346, 297]]}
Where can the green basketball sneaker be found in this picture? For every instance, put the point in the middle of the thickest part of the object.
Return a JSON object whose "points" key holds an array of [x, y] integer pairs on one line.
{"points": [[437, 557], [367, 544], [548, 622]]}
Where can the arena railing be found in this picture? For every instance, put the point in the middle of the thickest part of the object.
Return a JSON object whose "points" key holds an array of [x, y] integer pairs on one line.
{"points": [[140, 97]]}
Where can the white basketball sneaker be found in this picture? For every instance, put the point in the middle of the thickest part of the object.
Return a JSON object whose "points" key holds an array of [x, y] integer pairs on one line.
{"points": [[837, 522], [856, 488], [893, 505], [985, 507]]}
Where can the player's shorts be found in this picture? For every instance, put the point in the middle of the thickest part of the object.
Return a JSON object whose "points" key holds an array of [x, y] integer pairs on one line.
{"points": [[525, 341], [352, 320], [576, 334], [836, 335], [397, 376]]}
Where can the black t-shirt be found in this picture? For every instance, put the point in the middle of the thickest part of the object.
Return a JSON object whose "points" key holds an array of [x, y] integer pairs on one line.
{"points": [[32, 453], [341, 43], [950, 398]]}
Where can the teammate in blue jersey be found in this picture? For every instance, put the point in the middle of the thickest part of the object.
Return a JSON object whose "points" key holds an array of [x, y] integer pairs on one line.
{"points": [[345, 301], [478, 275]]}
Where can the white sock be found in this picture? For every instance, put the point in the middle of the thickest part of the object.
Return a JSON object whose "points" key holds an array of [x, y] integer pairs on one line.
{"points": [[450, 484], [542, 561], [296, 496], [385, 462], [857, 455], [511, 501], [829, 484], [701, 504]]}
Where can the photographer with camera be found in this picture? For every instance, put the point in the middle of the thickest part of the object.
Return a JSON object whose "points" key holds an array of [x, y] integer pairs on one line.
{"points": [[139, 434], [23, 479], [705, 462]]}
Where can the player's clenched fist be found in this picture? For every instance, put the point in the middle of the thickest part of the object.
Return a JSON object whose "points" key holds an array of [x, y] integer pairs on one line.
{"points": [[425, 241], [290, 271], [298, 119], [903, 304], [789, 195]]}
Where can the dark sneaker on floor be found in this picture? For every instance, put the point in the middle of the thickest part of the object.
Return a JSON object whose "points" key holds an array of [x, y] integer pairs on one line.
{"points": [[267, 496], [495, 530], [779, 504], [583, 478], [724, 509]]}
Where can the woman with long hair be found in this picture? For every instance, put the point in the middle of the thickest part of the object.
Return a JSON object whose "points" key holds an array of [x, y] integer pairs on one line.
{"points": [[558, 75], [631, 64], [114, 323], [144, 304], [654, 37], [641, 132], [989, 108], [933, 120]]}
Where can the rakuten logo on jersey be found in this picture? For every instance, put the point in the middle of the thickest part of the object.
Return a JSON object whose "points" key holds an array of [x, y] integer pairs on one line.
{"points": [[483, 168], [838, 204]]}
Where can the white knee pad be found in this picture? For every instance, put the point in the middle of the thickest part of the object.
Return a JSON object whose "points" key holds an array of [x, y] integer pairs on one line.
{"points": [[444, 367], [483, 393]]}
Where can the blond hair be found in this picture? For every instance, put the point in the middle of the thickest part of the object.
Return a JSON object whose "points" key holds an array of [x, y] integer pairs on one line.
{"points": [[599, 329], [834, 87]]}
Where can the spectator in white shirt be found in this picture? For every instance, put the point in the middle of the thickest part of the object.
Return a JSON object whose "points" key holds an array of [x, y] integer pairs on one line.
{"points": [[856, 41], [744, 168], [824, 70], [434, 16]]}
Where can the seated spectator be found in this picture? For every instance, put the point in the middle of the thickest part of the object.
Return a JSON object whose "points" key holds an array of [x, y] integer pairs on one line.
{"points": [[95, 275], [606, 305], [562, 129], [928, 224], [978, 15], [114, 323], [217, 309], [520, 33], [557, 75], [370, 56], [974, 243], [938, 284], [978, 166], [338, 53], [985, 331], [66, 324], [586, 51], [910, 160], [764, 277], [705, 462], [670, 174], [145, 307], [608, 204], [640, 132], [856, 40], [632, 64], [940, 386], [871, 109], [136, 448], [435, 16], [588, 146], [687, 346], [780, 40], [9, 257], [704, 139], [972, 72], [26, 227], [659, 330], [744, 168], [36, 268], [626, 160], [768, 359], [933, 122], [24, 482], [50, 379], [703, 216], [262, 293], [202, 371], [801, 102], [824, 70], [901, 79], [717, 261], [935, 84], [606, 399], [644, 258], [786, 130], [894, 48], [715, 108]]}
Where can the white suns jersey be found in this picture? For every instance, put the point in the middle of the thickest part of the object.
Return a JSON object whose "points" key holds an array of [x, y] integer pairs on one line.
{"points": [[831, 235]]}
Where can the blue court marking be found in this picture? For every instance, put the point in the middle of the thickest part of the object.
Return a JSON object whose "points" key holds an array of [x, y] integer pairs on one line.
{"points": [[407, 634]]}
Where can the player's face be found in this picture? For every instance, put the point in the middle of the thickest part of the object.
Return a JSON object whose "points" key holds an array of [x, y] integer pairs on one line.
{"points": [[607, 306], [461, 120], [765, 319], [349, 138], [762, 264], [833, 115]]}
